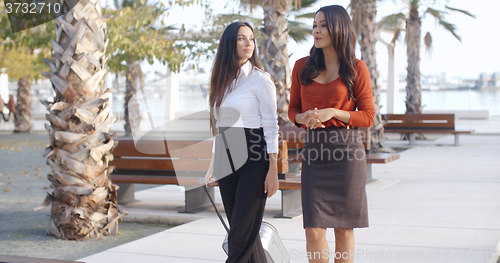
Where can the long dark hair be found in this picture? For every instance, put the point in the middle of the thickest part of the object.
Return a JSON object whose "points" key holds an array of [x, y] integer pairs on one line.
{"points": [[343, 36], [227, 67]]}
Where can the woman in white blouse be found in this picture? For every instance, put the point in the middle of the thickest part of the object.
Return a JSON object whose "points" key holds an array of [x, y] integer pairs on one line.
{"points": [[243, 115]]}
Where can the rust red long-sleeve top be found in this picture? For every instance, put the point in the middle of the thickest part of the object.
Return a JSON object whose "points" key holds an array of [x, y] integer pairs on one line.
{"points": [[333, 95]]}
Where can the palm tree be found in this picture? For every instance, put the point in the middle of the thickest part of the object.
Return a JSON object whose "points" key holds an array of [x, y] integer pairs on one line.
{"points": [[363, 14], [23, 119], [133, 75], [418, 9], [84, 200], [276, 58], [134, 79]]}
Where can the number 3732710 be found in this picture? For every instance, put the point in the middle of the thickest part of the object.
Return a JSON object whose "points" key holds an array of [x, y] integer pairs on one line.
{"points": [[32, 8]]}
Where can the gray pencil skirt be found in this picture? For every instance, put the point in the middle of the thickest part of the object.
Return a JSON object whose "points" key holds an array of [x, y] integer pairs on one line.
{"points": [[334, 178]]}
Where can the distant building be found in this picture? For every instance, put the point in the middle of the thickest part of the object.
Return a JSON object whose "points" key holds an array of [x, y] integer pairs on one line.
{"points": [[494, 80], [488, 81]]}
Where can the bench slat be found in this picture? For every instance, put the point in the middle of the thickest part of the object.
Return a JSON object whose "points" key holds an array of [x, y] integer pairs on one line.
{"points": [[418, 117], [292, 182], [370, 158], [413, 130], [166, 165], [169, 165], [148, 179], [381, 157], [160, 148], [415, 117]]}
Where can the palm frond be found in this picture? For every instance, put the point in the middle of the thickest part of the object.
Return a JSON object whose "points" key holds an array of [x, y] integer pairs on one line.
{"points": [[308, 15], [391, 22], [165, 29], [239, 17], [298, 31], [451, 28], [461, 11], [296, 4], [250, 4], [438, 15], [304, 4]]}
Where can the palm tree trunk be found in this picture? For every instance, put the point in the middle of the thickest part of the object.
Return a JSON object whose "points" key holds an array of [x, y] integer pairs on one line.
{"points": [[84, 203], [276, 58], [413, 88], [132, 114], [23, 119], [367, 43]]}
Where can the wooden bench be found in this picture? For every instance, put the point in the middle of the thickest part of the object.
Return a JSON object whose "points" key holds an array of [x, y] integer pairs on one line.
{"points": [[176, 162], [184, 162], [18, 259], [295, 138], [412, 124]]}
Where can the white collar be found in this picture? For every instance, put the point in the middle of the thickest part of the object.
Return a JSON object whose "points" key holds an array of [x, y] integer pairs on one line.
{"points": [[246, 68]]}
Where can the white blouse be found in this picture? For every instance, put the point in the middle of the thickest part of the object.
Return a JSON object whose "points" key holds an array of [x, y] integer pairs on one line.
{"points": [[254, 98]]}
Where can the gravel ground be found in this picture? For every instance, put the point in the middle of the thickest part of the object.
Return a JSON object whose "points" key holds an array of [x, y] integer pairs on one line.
{"points": [[23, 186]]}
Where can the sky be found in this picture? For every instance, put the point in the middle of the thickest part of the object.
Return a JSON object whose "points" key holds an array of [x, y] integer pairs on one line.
{"points": [[477, 53]]}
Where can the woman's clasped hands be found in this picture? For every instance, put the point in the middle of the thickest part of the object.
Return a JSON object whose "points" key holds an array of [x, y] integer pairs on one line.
{"points": [[315, 118]]}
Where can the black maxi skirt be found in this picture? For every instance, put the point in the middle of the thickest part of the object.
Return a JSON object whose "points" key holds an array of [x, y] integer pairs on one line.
{"points": [[334, 178], [241, 182]]}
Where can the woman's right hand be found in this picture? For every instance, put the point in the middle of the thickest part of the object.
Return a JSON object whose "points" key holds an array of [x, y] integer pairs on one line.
{"points": [[309, 118], [209, 178], [303, 118]]}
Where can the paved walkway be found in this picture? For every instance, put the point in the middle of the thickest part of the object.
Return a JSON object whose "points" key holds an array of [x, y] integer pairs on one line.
{"points": [[438, 203]]}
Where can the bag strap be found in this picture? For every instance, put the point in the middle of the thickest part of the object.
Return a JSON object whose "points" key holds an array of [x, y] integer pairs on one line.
{"points": [[205, 187], [227, 152], [216, 210]]}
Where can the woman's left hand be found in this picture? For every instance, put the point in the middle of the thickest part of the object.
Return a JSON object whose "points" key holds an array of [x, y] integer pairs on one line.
{"points": [[271, 185], [324, 114]]}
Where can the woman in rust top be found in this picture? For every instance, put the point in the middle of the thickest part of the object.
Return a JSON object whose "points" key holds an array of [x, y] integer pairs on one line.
{"points": [[331, 96]]}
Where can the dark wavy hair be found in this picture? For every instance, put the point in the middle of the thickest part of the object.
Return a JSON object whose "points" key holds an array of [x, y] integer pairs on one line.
{"points": [[343, 36], [227, 67]]}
